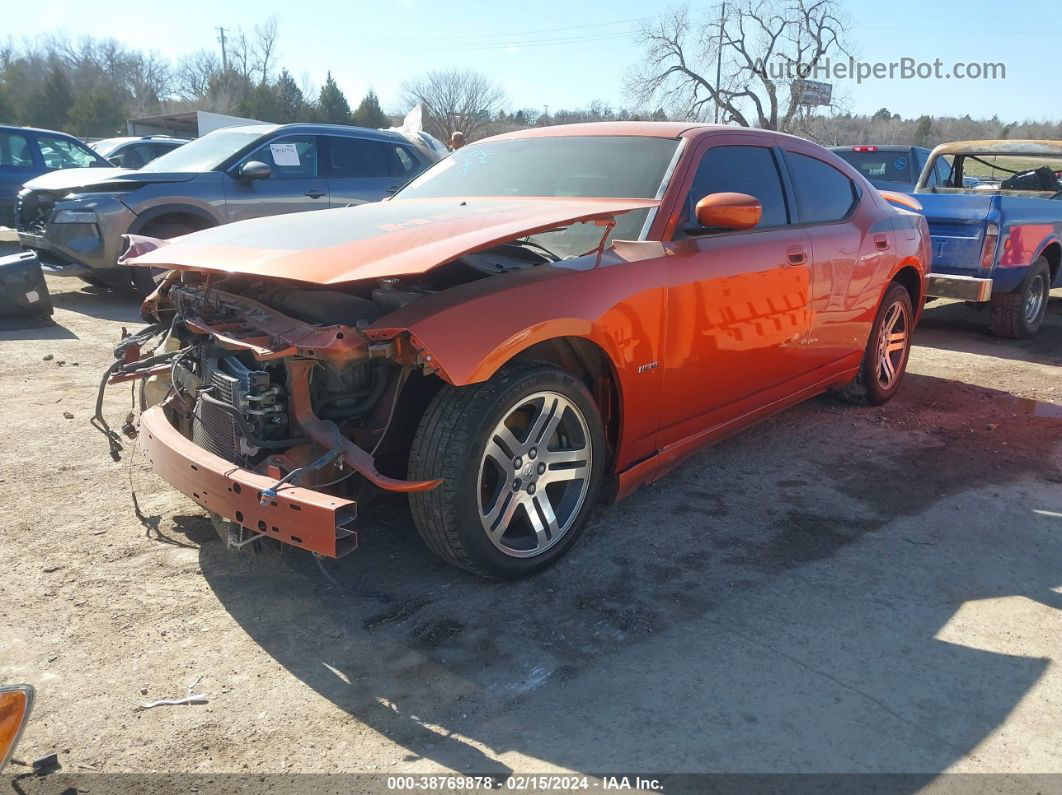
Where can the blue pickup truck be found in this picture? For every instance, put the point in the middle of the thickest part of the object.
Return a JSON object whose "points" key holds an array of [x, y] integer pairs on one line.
{"points": [[1001, 241]]}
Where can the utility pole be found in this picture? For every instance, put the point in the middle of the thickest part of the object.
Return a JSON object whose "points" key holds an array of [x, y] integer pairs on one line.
{"points": [[224, 56], [719, 60]]}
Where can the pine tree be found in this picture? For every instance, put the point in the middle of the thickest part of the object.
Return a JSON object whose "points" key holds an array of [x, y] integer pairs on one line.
{"points": [[53, 106], [332, 106], [369, 113], [290, 101]]}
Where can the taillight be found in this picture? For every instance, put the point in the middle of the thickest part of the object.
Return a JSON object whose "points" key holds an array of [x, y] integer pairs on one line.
{"points": [[864, 149], [988, 249]]}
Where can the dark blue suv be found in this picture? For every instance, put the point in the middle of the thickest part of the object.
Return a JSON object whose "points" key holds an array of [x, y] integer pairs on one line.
{"points": [[25, 153]]}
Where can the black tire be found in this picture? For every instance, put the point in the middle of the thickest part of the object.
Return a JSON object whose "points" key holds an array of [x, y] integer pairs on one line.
{"points": [[1018, 315], [868, 387], [451, 443], [143, 279]]}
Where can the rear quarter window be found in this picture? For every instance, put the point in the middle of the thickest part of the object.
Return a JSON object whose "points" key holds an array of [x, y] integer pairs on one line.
{"points": [[823, 194]]}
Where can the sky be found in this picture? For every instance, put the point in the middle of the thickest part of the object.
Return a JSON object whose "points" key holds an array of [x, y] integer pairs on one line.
{"points": [[561, 53]]}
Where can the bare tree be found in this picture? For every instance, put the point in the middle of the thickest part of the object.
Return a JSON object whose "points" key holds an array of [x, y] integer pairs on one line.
{"points": [[455, 99], [760, 50], [194, 74], [265, 44]]}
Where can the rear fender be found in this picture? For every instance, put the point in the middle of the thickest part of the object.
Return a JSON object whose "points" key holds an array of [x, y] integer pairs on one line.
{"points": [[1025, 243]]}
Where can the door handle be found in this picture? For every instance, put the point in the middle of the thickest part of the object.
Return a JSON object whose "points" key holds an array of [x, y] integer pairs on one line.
{"points": [[796, 255], [881, 242], [313, 193]]}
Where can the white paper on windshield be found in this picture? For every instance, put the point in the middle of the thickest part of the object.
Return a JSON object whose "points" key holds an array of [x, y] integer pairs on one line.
{"points": [[285, 154]]}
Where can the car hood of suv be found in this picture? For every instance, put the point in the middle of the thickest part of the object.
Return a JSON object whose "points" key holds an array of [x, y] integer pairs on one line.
{"points": [[70, 179], [371, 241]]}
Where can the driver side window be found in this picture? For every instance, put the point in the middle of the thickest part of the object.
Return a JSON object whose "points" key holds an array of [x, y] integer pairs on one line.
{"points": [[738, 169], [291, 157]]}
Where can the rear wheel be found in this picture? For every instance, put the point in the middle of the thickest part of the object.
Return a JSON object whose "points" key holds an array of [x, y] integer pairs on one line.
{"points": [[521, 457], [1018, 315], [885, 359]]}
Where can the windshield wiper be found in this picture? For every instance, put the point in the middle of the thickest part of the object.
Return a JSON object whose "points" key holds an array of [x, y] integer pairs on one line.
{"points": [[527, 243]]}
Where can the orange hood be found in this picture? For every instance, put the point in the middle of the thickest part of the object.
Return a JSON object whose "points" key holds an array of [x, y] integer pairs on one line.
{"points": [[392, 238]]}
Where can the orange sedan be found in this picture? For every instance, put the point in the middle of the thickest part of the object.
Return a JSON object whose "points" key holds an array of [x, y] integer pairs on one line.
{"points": [[542, 319]]}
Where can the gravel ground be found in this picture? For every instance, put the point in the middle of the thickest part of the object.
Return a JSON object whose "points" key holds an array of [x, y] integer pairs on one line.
{"points": [[836, 590]]}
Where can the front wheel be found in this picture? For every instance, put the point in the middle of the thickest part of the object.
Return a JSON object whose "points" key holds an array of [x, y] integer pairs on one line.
{"points": [[1018, 315], [885, 358], [521, 457]]}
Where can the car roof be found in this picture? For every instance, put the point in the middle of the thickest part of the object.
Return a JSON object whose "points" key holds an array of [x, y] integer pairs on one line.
{"points": [[10, 127], [652, 129], [647, 129], [878, 147], [326, 129], [157, 139], [1012, 146]]}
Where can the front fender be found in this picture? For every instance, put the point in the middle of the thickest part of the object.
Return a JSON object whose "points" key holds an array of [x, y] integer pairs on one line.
{"points": [[467, 333], [471, 366]]}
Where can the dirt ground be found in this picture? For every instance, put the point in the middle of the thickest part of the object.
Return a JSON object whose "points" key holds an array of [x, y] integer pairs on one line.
{"points": [[836, 590]]}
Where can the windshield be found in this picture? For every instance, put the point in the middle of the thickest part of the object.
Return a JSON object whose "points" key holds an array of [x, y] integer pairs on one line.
{"points": [[66, 153], [105, 148], [206, 153], [628, 167], [625, 167], [895, 166]]}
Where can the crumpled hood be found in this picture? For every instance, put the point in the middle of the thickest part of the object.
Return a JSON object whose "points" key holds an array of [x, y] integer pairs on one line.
{"points": [[69, 179], [392, 238]]}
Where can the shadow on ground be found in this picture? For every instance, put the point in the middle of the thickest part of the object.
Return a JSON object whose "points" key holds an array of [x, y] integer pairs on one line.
{"points": [[773, 605], [104, 303], [940, 322]]}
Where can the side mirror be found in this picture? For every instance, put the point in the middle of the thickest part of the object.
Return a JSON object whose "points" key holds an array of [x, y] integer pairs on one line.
{"points": [[737, 211], [15, 705], [254, 169]]}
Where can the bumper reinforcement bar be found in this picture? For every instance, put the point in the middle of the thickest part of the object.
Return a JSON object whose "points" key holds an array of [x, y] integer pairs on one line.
{"points": [[304, 518]]}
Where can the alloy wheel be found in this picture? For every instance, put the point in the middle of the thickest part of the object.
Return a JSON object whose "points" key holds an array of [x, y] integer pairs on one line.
{"points": [[535, 474], [892, 344]]}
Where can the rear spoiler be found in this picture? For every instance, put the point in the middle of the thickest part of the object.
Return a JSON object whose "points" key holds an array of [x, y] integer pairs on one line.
{"points": [[903, 200]]}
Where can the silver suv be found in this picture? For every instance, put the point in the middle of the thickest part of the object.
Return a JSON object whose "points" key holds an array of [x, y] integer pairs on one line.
{"points": [[75, 221]]}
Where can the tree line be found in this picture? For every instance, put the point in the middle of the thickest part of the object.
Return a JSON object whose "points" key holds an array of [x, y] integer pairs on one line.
{"points": [[91, 87]]}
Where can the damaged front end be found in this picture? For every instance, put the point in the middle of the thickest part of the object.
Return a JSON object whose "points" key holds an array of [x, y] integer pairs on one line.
{"points": [[270, 422]]}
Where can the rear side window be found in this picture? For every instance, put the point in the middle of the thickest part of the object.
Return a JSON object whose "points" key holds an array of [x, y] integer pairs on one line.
{"points": [[290, 157], [357, 157], [740, 169], [823, 193], [404, 161], [15, 151]]}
